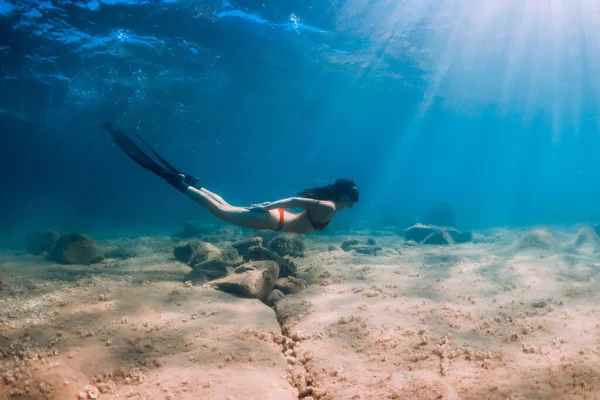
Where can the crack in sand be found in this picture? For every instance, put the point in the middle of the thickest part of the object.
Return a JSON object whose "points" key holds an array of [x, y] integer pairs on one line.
{"points": [[299, 369]]}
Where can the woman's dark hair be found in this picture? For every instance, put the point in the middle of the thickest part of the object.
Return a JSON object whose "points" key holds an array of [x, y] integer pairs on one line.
{"points": [[333, 192]]}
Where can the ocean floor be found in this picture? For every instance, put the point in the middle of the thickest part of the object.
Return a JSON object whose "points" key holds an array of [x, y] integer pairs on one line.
{"points": [[515, 316]]}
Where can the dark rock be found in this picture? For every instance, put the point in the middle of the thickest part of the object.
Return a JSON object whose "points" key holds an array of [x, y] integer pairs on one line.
{"points": [[256, 283], [440, 214], [253, 266], [197, 277], [419, 232], [464, 237], [42, 241], [183, 252], [287, 245], [266, 234], [371, 242], [242, 246], [290, 309], [286, 267], [76, 249], [290, 285], [346, 243], [365, 249], [453, 232], [274, 297], [195, 251], [216, 268], [438, 238], [229, 253]]}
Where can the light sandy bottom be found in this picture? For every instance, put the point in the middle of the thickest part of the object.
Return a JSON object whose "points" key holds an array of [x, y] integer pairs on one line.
{"points": [[476, 321], [133, 330]]}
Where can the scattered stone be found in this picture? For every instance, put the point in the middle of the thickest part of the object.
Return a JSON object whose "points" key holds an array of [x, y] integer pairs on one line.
{"points": [[195, 251], [42, 241], [286, 267], [242, 246], [274, 297], [287, 245], [76, 249], [256, 283], [346, 243], [290, 285]]}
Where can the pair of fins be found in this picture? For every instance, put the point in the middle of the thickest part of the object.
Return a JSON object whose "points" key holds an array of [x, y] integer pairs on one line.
{"points": [[167, 171]]}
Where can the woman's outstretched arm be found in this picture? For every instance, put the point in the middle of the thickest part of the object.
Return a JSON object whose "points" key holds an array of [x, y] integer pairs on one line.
{"points": [[292, 202]]}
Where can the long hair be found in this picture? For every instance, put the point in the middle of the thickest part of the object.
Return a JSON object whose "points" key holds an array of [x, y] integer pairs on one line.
{"points": [[332, 192]]}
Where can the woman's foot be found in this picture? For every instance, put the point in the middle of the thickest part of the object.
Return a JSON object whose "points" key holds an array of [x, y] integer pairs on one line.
{"points": [[181, 181], [191, 181]]}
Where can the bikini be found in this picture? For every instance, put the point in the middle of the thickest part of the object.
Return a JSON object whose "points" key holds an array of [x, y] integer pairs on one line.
{"points": [[318, 226]]}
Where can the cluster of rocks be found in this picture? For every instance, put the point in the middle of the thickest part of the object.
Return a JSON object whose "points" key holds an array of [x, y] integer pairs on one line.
{"points": [[245, 267]]}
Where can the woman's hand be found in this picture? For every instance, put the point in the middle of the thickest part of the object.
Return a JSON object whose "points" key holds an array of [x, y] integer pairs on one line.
{"points": [[260, 207]]}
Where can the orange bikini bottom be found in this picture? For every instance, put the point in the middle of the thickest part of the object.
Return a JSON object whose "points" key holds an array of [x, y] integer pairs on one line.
{"points": [[281, 215]]}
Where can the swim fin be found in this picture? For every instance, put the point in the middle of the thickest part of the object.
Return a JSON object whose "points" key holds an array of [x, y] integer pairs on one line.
{"points": [[170, 174]]}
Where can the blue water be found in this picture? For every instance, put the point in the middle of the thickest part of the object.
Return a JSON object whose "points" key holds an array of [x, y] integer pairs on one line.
{"points": [[489, 105]]}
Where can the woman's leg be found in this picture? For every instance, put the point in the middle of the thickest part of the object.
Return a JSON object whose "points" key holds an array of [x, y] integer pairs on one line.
{"points": [[215, 196], [236, 215]]}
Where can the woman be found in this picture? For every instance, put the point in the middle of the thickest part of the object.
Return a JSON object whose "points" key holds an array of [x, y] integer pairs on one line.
{"points": [[319, 204]]}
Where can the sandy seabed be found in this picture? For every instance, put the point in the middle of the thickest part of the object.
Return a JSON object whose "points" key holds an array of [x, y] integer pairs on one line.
{"points": [[512, 317]]}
